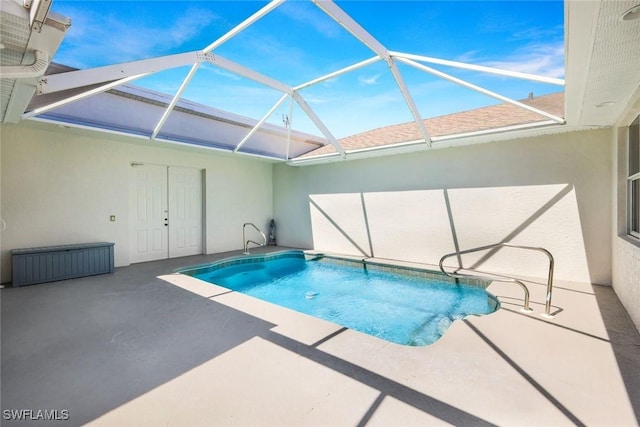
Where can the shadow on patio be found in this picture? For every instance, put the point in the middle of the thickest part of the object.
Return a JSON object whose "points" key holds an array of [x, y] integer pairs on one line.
{"points": [[132, 349]]}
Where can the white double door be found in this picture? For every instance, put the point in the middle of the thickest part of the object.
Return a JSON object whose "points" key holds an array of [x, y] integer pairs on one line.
{"points": [[166, 212]]}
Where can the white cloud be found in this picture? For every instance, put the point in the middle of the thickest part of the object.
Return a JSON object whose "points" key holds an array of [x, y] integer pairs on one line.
{"points": [[468, 57], [541, 59], [226, 74], [311, 16], [369, 80], [538, 33], [314, 99], [329, 82], [189, 25], [95, 39]]}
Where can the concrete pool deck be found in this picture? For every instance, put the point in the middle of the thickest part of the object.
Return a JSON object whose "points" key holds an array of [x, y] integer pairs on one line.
{"points": [[145, 346]]}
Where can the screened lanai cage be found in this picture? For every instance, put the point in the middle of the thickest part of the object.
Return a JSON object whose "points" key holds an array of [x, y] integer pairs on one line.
{"points": [[291, 80]]}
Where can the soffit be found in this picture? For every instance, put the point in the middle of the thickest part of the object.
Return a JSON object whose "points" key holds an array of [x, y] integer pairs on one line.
{"points": [[602, 61], [14, 36], [19, 42]]}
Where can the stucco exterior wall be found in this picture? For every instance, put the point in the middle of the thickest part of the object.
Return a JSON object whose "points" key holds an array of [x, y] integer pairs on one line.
{"points": [[626, 249], [551, 191], [60, 186], [626, 276]]}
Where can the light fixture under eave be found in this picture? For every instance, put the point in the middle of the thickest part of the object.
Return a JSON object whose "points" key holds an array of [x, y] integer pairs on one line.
{"points": [[605, 104], [631, 14]]}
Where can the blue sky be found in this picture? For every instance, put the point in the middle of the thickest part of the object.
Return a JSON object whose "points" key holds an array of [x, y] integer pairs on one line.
{"points": [[297, 42]]}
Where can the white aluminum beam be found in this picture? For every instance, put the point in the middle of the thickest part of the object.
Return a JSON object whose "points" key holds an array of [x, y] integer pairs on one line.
{"points": [[260, 123], [248, 73], [80, 78], [174, 101], [342, 18], [286, 155], [244, 24], [409, 101], [247, 22], [316, 120], [482, 68], [480, 89], [82, 95], [338, 73]]}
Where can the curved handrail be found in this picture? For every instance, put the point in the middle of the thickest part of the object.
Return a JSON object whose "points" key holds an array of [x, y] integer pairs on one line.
{"points": [[246, 242], [547, 308]]}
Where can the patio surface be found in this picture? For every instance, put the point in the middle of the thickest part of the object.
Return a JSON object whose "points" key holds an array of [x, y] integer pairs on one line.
{"points": [[145, 346]]}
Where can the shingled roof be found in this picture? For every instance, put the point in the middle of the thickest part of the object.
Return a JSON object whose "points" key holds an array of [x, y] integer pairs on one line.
{"points": [[480, 119]]}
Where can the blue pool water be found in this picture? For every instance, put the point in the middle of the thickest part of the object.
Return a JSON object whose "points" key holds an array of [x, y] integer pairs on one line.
{"points": [[397, 308]]}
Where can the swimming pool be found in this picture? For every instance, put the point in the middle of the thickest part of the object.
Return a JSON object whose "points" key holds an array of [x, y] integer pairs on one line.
{"points": [[405, 306]]}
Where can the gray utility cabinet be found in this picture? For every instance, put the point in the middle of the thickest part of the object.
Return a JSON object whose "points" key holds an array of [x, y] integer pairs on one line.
{"points": [[52, 263]]}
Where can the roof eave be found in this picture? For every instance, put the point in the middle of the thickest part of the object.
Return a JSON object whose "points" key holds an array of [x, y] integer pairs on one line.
{"points": [[471, 138]]}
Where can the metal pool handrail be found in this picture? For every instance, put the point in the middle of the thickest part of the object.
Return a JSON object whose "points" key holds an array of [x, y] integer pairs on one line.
{"points": [[246, 242], [547, 308]]}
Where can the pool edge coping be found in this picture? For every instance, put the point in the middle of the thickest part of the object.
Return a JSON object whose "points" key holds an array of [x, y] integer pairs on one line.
{"points": [[405, 268], [385, 266]]}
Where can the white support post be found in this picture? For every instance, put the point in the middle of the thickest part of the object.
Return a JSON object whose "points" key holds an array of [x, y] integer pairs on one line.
{"points": [[480, 89], [174, 101], [316, 120], [260, 123], [80, 96], [409, 101], [289, 130], [481, 68]]}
